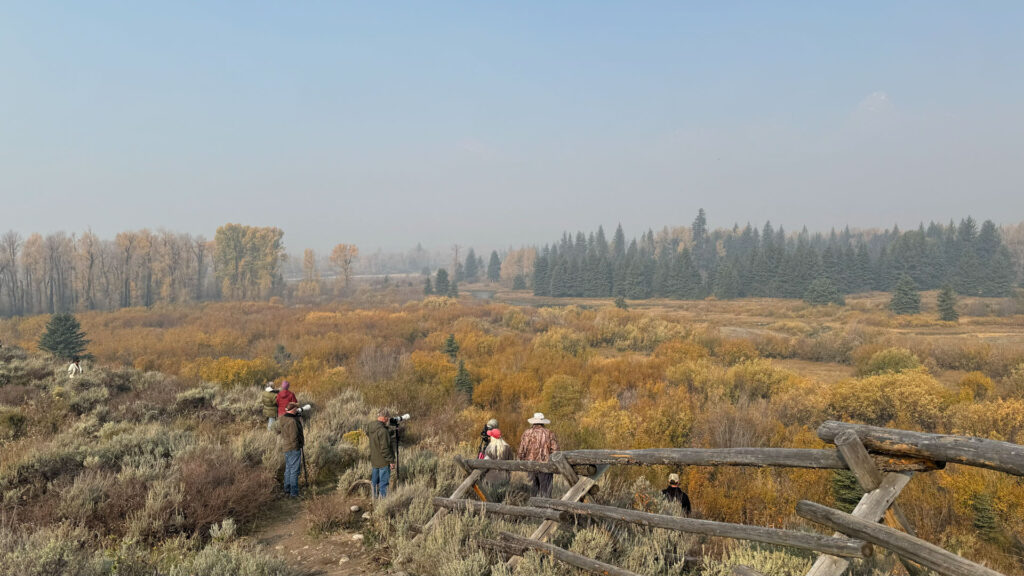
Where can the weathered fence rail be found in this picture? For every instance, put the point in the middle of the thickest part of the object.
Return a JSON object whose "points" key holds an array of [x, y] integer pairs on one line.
{"points": [[760, 457], [969, 450], [882, 459], [503, 509], [791, 538], [925, 553]]}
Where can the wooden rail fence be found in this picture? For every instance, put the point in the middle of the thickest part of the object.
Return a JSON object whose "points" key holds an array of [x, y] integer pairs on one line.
{"points": [[882, 459]]}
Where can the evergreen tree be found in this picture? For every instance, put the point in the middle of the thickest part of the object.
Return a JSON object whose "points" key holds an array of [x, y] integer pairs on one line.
{"points": [[519, 283], [822, 292], [905, 299], [727, 282], [470, 271], [862, 269], [494, 267], [453, 290], [463, 381], [986, 519], [451, 347], [846, 490], [428, 289], [441, 284], [541, 275], [64, 337], [947, 305], [560, 279], [618, 244]]}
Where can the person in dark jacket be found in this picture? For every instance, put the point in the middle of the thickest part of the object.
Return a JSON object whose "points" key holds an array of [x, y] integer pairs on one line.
{"points": [[292, 441], [675, 494], [269, 402], [382, 453]]}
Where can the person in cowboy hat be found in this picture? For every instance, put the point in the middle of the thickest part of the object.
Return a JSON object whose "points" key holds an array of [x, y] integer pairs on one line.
{"points": [[675, 494], [537, 445], [292, 441]]}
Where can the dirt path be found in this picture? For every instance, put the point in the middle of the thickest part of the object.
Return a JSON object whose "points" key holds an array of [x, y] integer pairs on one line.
{"points": [[285, 531]]}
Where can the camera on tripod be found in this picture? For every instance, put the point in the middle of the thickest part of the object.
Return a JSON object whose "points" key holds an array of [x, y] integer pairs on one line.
{"points": [[396, 421]]}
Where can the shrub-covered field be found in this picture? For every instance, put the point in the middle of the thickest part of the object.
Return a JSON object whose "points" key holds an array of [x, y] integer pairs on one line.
{"points": [[139, 464]]}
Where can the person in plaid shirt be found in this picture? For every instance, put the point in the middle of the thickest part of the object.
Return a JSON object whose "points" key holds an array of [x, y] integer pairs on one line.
{"points": [[536, 445]]}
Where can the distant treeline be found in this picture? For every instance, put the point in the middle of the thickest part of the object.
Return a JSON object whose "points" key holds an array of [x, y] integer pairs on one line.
{"points": [[61, 272], [696, 262]]}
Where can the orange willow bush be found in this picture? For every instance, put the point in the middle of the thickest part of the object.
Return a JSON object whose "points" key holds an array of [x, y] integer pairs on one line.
{"points": [[232, 372]]}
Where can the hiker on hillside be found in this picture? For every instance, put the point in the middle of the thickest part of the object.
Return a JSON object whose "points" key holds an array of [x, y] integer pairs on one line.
{"points": [[75, 368], [382, 453], [292, 442], [269, 401], [537, 445], [485, 438], [284, 398], [675, 494], [497, 449]]}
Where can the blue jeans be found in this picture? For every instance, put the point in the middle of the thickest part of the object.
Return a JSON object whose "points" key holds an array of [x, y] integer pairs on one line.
{"points": [[379, 481], [270, 423], [292, 463]]}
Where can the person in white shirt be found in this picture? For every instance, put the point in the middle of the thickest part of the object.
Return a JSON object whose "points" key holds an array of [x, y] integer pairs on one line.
{"points": [[74, 368]]}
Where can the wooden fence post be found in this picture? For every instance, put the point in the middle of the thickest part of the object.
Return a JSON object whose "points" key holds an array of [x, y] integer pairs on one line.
{"points": [[575, 494], [924, 553]]}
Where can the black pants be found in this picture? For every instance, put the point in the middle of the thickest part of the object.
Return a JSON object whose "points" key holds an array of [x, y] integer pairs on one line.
{"points": [[542, 484]]}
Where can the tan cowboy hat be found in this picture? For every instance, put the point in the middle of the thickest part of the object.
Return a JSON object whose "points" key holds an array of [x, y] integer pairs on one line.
{"points": [[673, 478], [538, 418]]}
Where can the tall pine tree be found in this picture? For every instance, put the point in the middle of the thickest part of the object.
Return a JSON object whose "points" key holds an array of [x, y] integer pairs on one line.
{"points": [[463, 380], [494, 267], [441, 284], [470, 271], [822, 292], [947, 305], [64, 337], [905, 299]]}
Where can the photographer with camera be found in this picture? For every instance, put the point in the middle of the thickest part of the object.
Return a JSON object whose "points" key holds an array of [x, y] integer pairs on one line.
{"points": [[292, 441], [485, 437], [382, 453], [269, 402]]}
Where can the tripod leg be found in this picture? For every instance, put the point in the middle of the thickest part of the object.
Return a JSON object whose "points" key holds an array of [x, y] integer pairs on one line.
{"points": [[305, 472]]}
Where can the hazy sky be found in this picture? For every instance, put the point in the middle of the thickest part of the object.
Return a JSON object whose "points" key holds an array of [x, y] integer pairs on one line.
{"points": [[498, 123]]}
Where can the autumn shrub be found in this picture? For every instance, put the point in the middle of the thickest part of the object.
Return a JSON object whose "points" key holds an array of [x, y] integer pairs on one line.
{"points": [[774, 345], [194, 399], [960, 356], [61, 549], [758, 378], [1013, 384], [997, 419], [889, 361], [12, 423], [911, 399], [975, 386], [766, 560], [231, 372], [235, 559], [216, 485], [329, 513], [735, 351], [831, 345], [562, 340]]}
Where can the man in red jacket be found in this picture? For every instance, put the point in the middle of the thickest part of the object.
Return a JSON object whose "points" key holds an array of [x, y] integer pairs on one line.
{"points": [[284, 397]]}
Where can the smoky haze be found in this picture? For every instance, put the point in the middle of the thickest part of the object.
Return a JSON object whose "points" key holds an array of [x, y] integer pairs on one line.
{"points": [[497, 125]]}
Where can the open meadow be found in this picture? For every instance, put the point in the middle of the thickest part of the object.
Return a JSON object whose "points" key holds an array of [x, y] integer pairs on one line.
{"points": [[137, 465]]}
